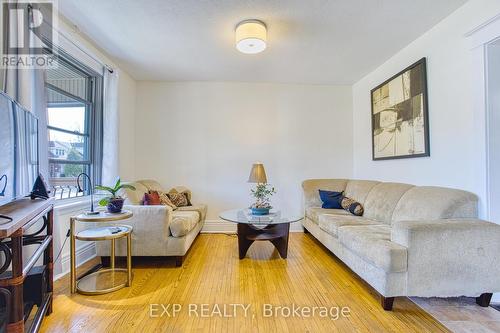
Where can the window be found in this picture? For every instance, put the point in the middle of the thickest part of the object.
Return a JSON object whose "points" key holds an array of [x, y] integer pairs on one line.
{"points": [[74, 107]]}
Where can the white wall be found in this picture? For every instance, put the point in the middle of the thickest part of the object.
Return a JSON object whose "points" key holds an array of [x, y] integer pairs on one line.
{"points": [[207, 135], [457, 156], [84, 250]]}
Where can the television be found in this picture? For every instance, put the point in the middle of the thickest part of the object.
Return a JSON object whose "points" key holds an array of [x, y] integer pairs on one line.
{"points": [[18, 150]]}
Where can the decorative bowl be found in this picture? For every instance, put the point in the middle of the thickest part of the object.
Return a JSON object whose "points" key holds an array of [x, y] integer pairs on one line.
{"points": [[260, 211]]}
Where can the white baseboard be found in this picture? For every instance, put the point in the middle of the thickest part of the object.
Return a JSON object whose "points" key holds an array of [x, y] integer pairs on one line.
{"points": [[224, 227], [83, 254], [218, 227]]}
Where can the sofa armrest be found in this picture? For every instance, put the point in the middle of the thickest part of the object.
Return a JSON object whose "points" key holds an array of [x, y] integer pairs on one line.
{"points": [[154, 220], [450, 257], [406, 232]]}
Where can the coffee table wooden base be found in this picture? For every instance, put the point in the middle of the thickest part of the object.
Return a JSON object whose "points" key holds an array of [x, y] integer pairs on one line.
{"points": [[275, 233]]}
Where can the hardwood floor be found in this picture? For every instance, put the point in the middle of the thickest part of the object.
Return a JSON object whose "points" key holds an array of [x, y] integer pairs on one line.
{"points": [[213, 274], [461, 314]]}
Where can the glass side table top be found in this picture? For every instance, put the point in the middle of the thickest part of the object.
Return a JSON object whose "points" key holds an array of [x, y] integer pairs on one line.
{"points": [[246, 216], [104, 233], [104, 216]]}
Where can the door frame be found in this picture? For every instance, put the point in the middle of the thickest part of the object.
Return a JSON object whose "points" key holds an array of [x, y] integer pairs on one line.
{"points": [[480, 38]]}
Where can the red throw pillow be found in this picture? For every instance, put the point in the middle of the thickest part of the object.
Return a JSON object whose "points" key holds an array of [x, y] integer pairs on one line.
{"points": [[152, 199]]}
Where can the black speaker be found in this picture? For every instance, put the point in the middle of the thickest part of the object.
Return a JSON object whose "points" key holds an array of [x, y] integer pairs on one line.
{"points": [[40, 188], [35, 285]]}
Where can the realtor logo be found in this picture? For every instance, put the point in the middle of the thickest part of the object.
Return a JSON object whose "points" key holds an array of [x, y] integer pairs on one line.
{"points": [[28, 34]]}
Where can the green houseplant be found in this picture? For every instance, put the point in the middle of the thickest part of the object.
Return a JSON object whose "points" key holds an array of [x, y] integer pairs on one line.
{"points": [[114, 202], [262, 194]]}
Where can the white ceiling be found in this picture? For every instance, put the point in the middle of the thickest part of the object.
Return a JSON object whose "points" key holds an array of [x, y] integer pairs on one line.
{"points": [[309, 41]]}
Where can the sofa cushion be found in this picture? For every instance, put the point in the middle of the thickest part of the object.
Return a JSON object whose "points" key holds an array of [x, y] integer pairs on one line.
{"points": [[183, 222], [382, 199], [311, 187], [200, 208], [330, 223], [133, 197], [373, 244], [151, 185], [359, 189], [431, 203], [313, 213]]}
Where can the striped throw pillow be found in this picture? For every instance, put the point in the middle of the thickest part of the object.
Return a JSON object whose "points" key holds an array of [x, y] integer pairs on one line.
{"points": [[352, 206]]}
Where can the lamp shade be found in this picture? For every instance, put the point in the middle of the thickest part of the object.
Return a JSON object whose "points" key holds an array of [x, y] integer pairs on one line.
{"points": [[251, 36], [257, 174]]}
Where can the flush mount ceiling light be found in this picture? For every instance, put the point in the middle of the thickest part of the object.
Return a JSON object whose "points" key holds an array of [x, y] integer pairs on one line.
{"points": [[251, 36]]}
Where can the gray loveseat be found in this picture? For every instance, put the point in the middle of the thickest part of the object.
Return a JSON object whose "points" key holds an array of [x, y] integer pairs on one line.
{"points": [[411, 240]]}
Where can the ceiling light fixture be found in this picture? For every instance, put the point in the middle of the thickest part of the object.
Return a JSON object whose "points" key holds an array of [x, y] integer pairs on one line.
{"points": [[251, 36]]}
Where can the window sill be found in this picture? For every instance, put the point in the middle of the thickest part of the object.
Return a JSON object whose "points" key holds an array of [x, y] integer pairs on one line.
{"points": [[73, 205]]}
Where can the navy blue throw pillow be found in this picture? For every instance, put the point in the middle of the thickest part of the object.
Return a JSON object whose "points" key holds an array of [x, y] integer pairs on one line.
{"points": [[331, 199]]}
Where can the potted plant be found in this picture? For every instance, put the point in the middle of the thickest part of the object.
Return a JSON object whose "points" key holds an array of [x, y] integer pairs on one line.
{"points": [[262, 194], [113, 202]]}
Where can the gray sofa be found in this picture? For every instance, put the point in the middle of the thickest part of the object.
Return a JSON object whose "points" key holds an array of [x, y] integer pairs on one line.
{"points": [[158, 230], [411, 240]]}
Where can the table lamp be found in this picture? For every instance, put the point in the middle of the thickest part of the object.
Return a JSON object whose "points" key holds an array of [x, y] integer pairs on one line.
{"points": [[257, 174], [261, 192], [80, 190]]}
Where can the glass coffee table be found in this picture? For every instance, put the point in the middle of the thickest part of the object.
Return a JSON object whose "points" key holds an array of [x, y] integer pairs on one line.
{"points": [[274, 227]]}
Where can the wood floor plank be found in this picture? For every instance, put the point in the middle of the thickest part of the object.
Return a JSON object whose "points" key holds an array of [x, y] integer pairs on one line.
{"points": [[213, 274]]}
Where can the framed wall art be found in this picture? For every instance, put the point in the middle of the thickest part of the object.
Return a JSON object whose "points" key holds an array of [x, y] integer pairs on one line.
{"points": [[400, 119]]}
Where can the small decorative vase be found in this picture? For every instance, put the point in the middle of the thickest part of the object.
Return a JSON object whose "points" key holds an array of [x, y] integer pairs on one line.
{"points": [[260, 211], [115, 205]]}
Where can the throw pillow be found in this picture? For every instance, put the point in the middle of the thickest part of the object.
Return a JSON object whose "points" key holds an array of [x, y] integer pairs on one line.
{"points": [[165, 200], [187, 198], [352, 206], [331, 199], [178, 199], [151, 199]]}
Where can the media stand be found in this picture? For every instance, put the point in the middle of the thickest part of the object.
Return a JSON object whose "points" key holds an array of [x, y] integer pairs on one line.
{"points": [[26, 285]]}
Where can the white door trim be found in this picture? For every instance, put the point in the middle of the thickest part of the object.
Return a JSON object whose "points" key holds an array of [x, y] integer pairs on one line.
{"points": [[479, 38]]}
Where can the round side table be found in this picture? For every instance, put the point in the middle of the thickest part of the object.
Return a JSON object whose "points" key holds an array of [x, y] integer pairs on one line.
{"points": [[107, 280]]}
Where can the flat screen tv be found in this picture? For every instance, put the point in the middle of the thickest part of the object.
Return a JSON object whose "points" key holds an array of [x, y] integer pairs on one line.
{"points": [[18, 150]]}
